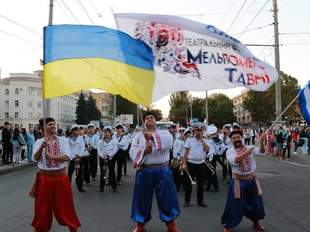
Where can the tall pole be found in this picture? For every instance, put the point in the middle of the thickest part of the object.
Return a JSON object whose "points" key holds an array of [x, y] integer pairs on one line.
{"points": [[138, 123], [114, 108], [191, 109], [47, 102], [207, 112], [277, 60]]}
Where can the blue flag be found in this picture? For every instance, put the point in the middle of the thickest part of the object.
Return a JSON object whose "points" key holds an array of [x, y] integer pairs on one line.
{"points": [[304, 102]]}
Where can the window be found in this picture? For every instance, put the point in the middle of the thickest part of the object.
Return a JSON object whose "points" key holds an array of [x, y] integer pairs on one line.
{"points": [[16, 91], [39, 104], [30, 90], [7, 91], [16, 115], [6, 115], [29, 115], [30, 104], [16, 103], [39, 92], [7, 103]]}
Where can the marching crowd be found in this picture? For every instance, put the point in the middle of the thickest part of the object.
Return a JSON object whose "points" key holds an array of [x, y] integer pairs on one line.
{"points": [[183, 156]]}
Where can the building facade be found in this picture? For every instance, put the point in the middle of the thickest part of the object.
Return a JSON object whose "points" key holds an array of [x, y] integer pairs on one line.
{"points": [[21, 101], [104, 103], [243, 116]]}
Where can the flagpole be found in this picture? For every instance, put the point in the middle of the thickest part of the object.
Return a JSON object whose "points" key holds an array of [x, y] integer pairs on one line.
{"points": [[114, 97], [280, 115], [46, 102]]}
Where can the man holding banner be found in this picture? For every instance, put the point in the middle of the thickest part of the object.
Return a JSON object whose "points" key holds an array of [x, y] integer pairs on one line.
{"points": [[245, 194]]}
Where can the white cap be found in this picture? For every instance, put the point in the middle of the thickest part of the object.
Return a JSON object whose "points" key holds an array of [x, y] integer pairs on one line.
{"points": [[119, 125], [108, 128], [211, 129], [228, 125], [74, 127], [188, 130], [91, 125], [198, 125]]}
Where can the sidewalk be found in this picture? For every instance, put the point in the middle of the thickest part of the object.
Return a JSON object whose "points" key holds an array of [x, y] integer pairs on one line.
{"points": [[8, 168]]}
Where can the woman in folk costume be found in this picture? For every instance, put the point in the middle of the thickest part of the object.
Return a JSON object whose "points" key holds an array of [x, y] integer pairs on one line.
{"points": [[245, 194], [107, 148], [150, 154], [52, 189]]}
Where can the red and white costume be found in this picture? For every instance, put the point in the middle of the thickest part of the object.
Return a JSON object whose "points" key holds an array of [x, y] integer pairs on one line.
{"points": [[52, 189]]}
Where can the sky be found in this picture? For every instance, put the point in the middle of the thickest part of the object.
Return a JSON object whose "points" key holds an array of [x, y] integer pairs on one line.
{"points": [[22, 22]]}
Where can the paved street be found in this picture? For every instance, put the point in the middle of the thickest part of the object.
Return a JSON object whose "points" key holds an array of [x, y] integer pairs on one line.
{"points": [[286, 194]]}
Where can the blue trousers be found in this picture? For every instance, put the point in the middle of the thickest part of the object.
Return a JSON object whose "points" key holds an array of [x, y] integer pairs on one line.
{"points": [[29, 152], [160, 180], [250, 204]]}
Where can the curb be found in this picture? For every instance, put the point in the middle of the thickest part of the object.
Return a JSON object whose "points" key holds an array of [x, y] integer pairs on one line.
{"points": [[17, 168]]}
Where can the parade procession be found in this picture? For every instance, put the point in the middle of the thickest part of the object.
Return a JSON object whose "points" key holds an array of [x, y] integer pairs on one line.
{"points": [[142, 104]]}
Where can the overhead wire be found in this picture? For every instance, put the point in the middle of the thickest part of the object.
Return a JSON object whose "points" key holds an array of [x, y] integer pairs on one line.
{"points": [[19, 37], [237, 15], [20, 25], [69, 10], [227, 12], [95, 8], [85, 11], [253, 19], [63, 9], [253, 29], [264, 48]]}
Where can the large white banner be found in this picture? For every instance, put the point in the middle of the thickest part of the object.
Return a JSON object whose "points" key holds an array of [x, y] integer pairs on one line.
{"points": [[193, 56]]}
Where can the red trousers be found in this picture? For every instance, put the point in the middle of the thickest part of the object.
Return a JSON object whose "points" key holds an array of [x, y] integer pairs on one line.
{"points": [[54, 196]]}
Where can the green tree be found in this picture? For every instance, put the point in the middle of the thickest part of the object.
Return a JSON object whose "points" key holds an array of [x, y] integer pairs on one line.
{"points": [[220, 109], [81, 110], [261, 105], [123, 106], [92, 111], [179, 107]]}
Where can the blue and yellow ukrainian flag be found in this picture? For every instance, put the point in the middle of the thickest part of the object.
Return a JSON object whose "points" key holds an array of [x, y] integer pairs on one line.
{"points": [[79, 57]]}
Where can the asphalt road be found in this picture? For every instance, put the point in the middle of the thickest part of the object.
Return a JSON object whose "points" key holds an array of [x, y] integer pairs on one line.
{"points": [[286, 194]]}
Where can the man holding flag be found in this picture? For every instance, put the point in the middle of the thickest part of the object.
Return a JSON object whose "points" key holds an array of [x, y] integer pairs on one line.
{"points": [[150, 154]]}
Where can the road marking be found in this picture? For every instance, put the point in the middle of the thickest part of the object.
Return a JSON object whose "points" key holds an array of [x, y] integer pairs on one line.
{"points": [[297, 164]]}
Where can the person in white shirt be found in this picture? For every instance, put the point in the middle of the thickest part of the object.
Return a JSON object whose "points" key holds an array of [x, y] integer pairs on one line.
{"points": [[91, 142], [121, 154], [224, 137], [107, 148], [245, 194], [219, 149], [77, 149], [52, 189], [85, 158], [178, 152], [196, 150], [150, 154]]}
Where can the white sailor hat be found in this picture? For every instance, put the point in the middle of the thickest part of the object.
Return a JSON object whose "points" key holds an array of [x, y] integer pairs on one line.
{"points": [[198, 125], [90, 125], [73, 127], [236, 126], [211, 129], [119, 126], [228, 125], [108, 128], [188, 130]]}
